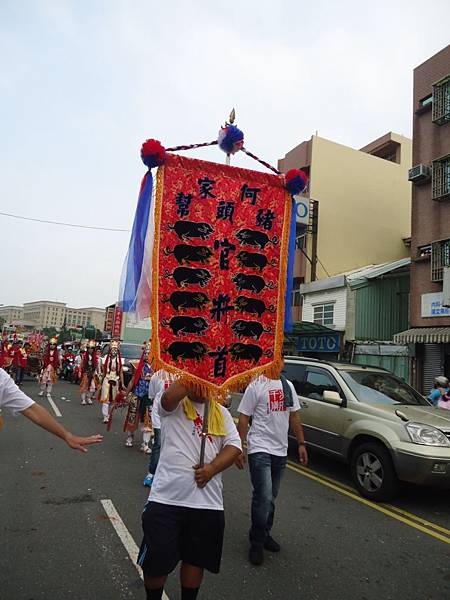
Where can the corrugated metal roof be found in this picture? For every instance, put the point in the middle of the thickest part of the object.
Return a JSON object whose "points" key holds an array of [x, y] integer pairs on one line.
{"points": [[424, 335], [375, 271]]}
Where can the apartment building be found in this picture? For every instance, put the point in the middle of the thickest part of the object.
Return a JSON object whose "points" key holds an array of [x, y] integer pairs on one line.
{"points": [[359, 204], [429, 335]]}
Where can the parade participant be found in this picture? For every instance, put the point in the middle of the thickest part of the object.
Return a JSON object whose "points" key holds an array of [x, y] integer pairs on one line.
{"points": [[274, 408], [184, 519], [112, 379], [19, 361], [439, 390], [159, 382], [51, 365], [6, 355], [12, 398], [139, 405], [90, 372]]}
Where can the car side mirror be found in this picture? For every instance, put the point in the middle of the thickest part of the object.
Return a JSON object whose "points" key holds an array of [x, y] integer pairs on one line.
{"points": [[332, 398]]}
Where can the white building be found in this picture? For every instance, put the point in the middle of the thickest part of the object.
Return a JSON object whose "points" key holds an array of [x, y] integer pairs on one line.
{"points": [[45, 313], [356, 313], [11, 313]]}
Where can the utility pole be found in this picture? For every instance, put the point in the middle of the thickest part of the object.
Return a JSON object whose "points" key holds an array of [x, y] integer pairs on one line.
{"points": [[314, 234]]}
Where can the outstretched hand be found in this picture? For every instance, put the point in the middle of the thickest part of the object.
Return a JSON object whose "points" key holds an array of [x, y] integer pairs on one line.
{"points": [[77, 443]]}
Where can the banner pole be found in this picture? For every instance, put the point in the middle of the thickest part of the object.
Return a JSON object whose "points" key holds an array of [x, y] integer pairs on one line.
{"points": [[204, 433]]}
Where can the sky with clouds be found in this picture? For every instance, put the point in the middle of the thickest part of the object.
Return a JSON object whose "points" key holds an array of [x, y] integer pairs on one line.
{"points": [[83, 83]]}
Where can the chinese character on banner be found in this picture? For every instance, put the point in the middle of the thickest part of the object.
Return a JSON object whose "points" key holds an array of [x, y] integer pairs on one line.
{"points": [[117, 322], [219, 262]]}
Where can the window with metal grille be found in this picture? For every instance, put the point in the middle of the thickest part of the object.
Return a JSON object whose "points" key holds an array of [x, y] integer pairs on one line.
{"points": [[440, 258], [324, 314], [441, 101], [297, 298], [441, 178]]}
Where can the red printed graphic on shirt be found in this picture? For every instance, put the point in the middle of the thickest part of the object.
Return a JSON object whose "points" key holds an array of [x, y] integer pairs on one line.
{"points": [[276, 401], [198, 427]]}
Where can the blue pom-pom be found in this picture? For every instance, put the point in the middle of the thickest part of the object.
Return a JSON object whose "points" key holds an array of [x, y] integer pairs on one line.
{"points": [[230, 139]]}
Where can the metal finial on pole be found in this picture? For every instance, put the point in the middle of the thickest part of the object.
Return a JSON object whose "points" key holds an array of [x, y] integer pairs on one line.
{"points": [[230, 121]]}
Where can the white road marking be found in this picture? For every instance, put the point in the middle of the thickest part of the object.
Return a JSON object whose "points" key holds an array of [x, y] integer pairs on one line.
{"points": [[55, 408], [124, 535]]}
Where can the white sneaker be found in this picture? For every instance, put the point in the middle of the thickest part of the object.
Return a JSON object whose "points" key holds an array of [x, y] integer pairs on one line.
{"points": [[83, 402], [129, 442], [146, 449], [49, 396], [105, 419], [89, 401], [41, 393]]}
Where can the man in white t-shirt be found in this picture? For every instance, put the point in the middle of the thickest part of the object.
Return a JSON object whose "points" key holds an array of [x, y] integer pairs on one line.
{"points": [[12, 398], [274, 408], [184, 519]]}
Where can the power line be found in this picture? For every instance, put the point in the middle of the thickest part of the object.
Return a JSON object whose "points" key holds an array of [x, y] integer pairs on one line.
{"points": [[62, 224], [323, 267]]}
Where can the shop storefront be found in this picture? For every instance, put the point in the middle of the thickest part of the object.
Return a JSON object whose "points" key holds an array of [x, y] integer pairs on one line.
{"points": [[429, 353]]}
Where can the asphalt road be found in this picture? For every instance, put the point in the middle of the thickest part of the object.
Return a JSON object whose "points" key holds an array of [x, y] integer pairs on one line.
{"points": [[57, 541]]}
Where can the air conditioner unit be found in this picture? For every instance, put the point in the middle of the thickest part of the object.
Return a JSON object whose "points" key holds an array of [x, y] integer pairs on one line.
{"points": [[419, 173]]}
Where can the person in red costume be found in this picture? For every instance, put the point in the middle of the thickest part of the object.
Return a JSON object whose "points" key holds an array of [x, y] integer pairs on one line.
{"points": [[90, 374], [5, 354], [49, 372], [19, 361]]}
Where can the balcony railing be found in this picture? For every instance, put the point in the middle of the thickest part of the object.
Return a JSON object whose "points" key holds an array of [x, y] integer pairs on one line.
{"points": [[441, 101], [441, 178], [440, 258]]}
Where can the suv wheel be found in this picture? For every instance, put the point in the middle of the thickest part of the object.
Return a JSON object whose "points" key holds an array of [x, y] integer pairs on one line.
{"points": [[373, 472]]}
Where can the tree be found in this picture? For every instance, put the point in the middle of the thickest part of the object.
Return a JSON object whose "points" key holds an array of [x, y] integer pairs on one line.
{"points": [[65, 336], [50, 331]]}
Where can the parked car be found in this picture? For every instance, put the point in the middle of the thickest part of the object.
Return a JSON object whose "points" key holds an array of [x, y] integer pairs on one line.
{"points": [[131, 354], [372, 419]]}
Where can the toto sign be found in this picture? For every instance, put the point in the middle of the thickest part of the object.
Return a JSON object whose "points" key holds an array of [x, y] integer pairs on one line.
{"points": [[319, 343]]}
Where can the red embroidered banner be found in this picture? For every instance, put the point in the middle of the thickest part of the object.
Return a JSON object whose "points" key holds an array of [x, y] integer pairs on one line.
{"points": [[219, 272]]}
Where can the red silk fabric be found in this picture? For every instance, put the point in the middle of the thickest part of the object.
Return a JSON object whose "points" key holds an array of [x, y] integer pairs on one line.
{"points": [[219, 271]]}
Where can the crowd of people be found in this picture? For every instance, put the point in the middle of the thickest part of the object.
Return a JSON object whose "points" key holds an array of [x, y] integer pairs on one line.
{"points": [[183, 520], [191, 440]]}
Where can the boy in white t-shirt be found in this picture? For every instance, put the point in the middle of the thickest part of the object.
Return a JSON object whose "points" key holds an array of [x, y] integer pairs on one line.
{"points": [[12, 398], [274, 407], [184, 519]]}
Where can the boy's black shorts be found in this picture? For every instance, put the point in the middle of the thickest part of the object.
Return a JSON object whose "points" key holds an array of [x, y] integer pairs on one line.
{"points": [[174, 533]]}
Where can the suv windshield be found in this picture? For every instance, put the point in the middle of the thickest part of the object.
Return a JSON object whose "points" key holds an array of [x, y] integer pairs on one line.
{"points": [[372, 387]]}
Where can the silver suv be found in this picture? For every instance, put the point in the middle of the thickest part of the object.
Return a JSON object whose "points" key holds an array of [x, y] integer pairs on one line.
{"points": [[369, 417]]}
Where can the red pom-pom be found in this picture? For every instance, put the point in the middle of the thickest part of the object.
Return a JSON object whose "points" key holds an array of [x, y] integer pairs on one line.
{"points": [[153, 154], [296, 181]]}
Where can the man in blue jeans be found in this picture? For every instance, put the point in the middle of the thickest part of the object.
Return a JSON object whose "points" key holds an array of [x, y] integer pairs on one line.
{"points": [[160, 381], [274, 407]]}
